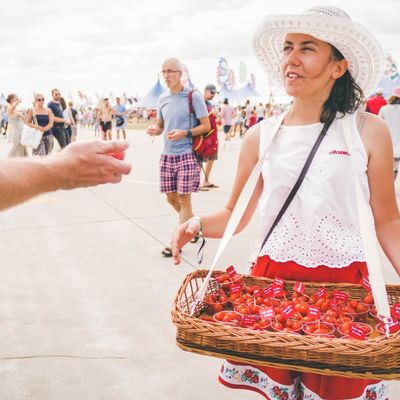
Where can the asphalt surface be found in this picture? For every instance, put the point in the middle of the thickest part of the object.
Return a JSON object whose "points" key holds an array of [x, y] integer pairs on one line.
{"points": [[86, 296]]}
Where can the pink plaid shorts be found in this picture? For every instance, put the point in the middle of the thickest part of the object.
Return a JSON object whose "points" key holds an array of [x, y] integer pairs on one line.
{"points": [[179, 173]]}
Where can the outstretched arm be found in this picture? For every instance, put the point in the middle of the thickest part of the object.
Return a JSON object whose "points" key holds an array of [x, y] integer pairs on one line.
{"points": [[78, 165]]}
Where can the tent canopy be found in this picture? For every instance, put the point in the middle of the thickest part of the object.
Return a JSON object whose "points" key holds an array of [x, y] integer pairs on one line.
{"points": [[151, 98]]}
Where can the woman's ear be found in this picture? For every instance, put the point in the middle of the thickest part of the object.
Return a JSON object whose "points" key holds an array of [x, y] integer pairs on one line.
{"points": [[341, 67]]}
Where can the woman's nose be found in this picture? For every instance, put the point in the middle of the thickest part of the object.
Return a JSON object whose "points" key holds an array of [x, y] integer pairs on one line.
{"points": [[293, 58]]}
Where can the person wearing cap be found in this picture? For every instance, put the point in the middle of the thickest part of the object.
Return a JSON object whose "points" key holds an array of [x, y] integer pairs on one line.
{"points": [[209, 92], [391, 114], [179, 166], [325, 62], [375, 103]]}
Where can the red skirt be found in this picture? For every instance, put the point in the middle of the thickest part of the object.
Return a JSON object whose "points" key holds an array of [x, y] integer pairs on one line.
{"points": [[274, 383]]}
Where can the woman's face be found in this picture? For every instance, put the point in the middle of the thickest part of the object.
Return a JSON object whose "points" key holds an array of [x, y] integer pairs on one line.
{"points": [[39, 101], [307, 66]]}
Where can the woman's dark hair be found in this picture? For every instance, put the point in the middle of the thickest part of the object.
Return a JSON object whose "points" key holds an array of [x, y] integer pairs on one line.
{"points": [[226, 101], [10, 97], [63, 103], [394, 100], [345, 97]]}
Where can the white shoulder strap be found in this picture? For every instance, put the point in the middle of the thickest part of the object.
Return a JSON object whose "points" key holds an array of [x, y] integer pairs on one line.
{"points": [[368, 234], [240, 206]]}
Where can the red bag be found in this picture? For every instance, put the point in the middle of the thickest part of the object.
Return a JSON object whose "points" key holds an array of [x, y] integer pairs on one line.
{"points": [[205, 145]]}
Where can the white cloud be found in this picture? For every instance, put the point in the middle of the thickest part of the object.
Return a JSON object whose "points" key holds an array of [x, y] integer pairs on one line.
{"points": [[98, 45]]}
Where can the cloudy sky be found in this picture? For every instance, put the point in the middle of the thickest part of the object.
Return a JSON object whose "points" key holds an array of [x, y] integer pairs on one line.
{"points": [[118, 46]]}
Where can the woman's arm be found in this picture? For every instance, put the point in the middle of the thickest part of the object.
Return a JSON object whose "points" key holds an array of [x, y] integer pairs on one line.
{"points": [[214, 224], [28, 120], [383, 201], [12, 107]]}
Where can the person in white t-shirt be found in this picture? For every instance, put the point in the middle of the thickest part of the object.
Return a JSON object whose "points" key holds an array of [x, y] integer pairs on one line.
{"points": [[318, 238], [391, 114], [260, 112]]}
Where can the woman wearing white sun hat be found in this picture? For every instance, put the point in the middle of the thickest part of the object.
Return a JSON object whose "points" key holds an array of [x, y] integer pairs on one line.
{"points": [[325, 61]]}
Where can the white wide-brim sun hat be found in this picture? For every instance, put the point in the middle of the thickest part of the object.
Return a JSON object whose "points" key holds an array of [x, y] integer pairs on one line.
{"points": [[360, 48]]}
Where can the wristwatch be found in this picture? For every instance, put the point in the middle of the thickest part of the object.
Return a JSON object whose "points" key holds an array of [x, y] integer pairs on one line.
{"points": [[189, 134]]}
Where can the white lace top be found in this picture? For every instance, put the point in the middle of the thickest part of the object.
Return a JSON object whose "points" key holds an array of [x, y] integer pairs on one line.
{"points": [[320, 227]]}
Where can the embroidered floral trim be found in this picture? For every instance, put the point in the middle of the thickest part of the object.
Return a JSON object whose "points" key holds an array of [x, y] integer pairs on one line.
{"points": [[378, 391], [253, 377], [244, 375]]}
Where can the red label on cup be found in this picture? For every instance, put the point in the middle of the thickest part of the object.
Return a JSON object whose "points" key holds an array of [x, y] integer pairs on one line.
{"points": [[277, 290], [395, 310], [267, 313], [256, 291], [235, 288], [321, 292], [338, 295], [288, 311], [357, 333], [334, 306], [299, 287], [365, 283], [249, 320], [231, 271], [268, 291], [314, 312], [393, 328], [278, 281]]}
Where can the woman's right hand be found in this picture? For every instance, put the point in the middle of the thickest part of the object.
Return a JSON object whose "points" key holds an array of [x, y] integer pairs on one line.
{"points": [[183, 235]]}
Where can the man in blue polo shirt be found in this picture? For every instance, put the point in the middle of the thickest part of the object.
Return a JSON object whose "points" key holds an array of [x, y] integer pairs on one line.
{"points": [[120, 117], [58, 130], [179, 166]]}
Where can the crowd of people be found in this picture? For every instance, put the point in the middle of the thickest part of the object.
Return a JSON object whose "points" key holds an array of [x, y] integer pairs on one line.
{"points": [[59, 120]]}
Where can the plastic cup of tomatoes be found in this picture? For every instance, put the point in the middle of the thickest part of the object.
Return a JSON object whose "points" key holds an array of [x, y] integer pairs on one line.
{"points": [[289, 326], [216, 302], [344, 329], [247, 309], [380, 328], [271, 302], [223, 280], [337, 318], [320, 329], [245, 298], [228, 318], [358, 310], [261, 325]]}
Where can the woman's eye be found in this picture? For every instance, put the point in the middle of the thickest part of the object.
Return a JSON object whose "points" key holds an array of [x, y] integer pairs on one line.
{"points": [[286, 49], [308, 48]]}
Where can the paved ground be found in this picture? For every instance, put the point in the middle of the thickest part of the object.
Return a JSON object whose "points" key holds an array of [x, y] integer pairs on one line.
{"points": [[86, 296]]}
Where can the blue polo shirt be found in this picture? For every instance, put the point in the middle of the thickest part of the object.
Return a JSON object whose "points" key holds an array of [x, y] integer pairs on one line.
{"points": [[120, 109], [173, 109]]}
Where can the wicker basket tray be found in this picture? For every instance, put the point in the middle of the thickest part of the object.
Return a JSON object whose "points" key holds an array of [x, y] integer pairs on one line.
{"points": [[377, 358]]}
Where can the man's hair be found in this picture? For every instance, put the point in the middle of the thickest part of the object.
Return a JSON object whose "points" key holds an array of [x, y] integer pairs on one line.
{"points": [[179, 65], [54, 90], [345, 97]]}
